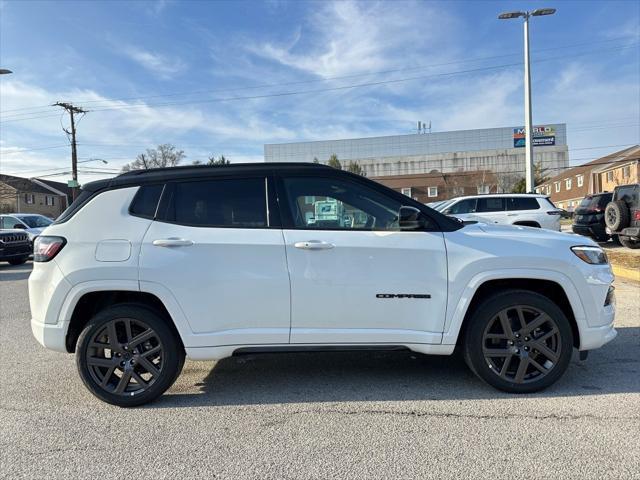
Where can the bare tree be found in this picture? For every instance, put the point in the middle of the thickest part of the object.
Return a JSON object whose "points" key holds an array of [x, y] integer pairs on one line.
{"points": [[218, 161], [165, 155]]}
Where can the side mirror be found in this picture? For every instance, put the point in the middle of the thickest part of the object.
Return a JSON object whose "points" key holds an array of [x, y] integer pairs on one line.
{"points": [[410, 219], [446, 211], [19, 225]]}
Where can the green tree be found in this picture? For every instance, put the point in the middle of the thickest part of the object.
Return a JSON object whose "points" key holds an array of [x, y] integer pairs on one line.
{"points": [[354, 167], [218, 161], [164, 155], [334, 162], [539, 173], [315, 160]]}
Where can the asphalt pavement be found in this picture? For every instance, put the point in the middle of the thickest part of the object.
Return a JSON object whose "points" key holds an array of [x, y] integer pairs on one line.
{"points": [[331, 415]]}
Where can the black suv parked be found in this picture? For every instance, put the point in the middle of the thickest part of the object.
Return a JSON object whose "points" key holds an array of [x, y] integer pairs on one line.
{"points": [[622, 215], [15, 246], [588, 218]]}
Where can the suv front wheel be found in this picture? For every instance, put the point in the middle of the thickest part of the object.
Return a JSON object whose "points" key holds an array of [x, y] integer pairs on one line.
{"points": [[127, 355], [518, 341]]}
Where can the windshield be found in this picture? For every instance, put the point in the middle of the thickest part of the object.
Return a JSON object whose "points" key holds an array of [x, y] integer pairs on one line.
{"points": [[36, 221]]}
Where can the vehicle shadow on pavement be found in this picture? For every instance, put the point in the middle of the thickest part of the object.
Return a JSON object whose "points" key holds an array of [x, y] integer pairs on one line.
{"points": [[386, 376], [14, 272]]}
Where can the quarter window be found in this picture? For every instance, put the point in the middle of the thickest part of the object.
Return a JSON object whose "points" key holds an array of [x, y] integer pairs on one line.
{"points": [[146, 201], [339, 205], [239, 203], [522, 203]]}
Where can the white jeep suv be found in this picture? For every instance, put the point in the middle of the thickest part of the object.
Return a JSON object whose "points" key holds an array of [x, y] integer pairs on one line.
{"points": [[527, 210], [201, 262]]}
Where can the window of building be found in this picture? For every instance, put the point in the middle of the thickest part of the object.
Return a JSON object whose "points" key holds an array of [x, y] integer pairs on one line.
{"points": [[626, 171], [567, 183], [580, 180], [29, 198], [239, 203], [457, 191], [482, 189], [432, 192], [49, 200], [610, 176], [557, 184], [406, 191]]}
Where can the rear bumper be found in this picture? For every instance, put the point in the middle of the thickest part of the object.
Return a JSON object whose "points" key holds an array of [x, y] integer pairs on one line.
{"points": [[52, 336], [593, 230], [630, 232]]}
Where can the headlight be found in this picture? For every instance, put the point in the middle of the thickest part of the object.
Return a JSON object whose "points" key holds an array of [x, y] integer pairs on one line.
{"points": [[592, 255]]}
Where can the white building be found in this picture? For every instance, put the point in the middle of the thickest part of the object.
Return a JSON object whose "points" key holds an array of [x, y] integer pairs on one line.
{"points": [[500, 150]]}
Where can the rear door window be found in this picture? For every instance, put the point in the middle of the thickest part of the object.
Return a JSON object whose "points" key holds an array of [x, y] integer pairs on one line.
{"points": [[522, 203], [490, 204], [228, 202]]}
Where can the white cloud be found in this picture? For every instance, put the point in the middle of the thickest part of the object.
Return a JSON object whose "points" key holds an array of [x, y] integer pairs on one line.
{"points": [[162, 65], [345, 37]]}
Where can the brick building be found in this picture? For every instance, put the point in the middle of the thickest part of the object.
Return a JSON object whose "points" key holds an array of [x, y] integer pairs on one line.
{"points": [[33, 195], [568, 188], [437, 186]]}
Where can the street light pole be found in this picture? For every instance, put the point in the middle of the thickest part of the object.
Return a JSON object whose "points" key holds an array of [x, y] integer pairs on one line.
{"points": [[528, 115]]}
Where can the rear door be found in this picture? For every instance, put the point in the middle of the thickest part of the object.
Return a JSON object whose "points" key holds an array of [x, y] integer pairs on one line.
{"points": [[492, 209], [216, 248], [355, 278], [527, 209]]}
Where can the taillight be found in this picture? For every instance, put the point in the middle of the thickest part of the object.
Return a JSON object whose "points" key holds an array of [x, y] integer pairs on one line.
{"points": [[45, 248], [636, 216]]}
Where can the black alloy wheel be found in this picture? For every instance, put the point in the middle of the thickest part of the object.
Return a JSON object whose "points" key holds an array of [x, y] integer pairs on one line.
{"points": [[127, 355], [521, 344], [518, 341]]}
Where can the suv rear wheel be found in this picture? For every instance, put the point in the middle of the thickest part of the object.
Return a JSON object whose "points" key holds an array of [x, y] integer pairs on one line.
{"points": [[518, 341], [127, 355], [629, 242]]}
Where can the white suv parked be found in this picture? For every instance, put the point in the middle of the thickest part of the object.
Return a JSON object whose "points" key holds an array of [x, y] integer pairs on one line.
{"points": [[527, 210], [154, 266]]}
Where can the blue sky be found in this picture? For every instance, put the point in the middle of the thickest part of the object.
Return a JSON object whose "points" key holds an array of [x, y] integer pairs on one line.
{"points": [[199, 74]]}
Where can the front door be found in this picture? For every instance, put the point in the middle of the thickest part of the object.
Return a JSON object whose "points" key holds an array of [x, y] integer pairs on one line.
{"points": [[212, 246], [355, 277]]}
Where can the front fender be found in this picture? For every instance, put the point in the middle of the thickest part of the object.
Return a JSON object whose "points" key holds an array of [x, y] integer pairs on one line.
{"points": [[458, 306]]}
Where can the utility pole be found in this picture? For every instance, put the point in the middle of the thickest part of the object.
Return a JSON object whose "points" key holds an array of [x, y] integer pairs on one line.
{"points": [[74, 149]]}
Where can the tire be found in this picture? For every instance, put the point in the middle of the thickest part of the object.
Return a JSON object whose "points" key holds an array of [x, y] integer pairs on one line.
{"points": [[628, 242], [489, 354], [18, 261], [134, 364], [617, 215]]}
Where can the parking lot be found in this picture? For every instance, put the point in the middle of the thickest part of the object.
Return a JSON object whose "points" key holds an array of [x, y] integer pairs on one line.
{"points": [[340, 415]]}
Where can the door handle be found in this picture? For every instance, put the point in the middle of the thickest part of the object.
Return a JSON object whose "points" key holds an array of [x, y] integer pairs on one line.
{"points": [[314, 245], [172, 242], [511, 214]]}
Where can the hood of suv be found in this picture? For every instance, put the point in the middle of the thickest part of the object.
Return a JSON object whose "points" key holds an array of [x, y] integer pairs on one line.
{"points": [[535, 235]]}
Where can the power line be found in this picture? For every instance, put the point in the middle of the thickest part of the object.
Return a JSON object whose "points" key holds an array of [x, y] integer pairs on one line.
{"points": [[323, 90], [326, 79]]}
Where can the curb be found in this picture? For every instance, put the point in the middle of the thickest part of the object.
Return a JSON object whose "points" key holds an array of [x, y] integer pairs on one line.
{"points": [[627, 273]]}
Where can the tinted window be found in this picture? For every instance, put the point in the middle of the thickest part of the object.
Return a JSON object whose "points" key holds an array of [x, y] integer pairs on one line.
{"points": [[146, 201], [333, 204], [239, 203], [595, 201], [490, 204], [463, 206], [522, 203]]}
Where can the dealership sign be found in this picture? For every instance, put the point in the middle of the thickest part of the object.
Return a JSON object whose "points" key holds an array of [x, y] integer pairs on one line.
{"points": [[542, 135]]}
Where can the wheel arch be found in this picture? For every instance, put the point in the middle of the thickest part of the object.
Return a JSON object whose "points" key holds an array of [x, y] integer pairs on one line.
{"points": [[94, 301], [554, 285], [528, 223]]}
